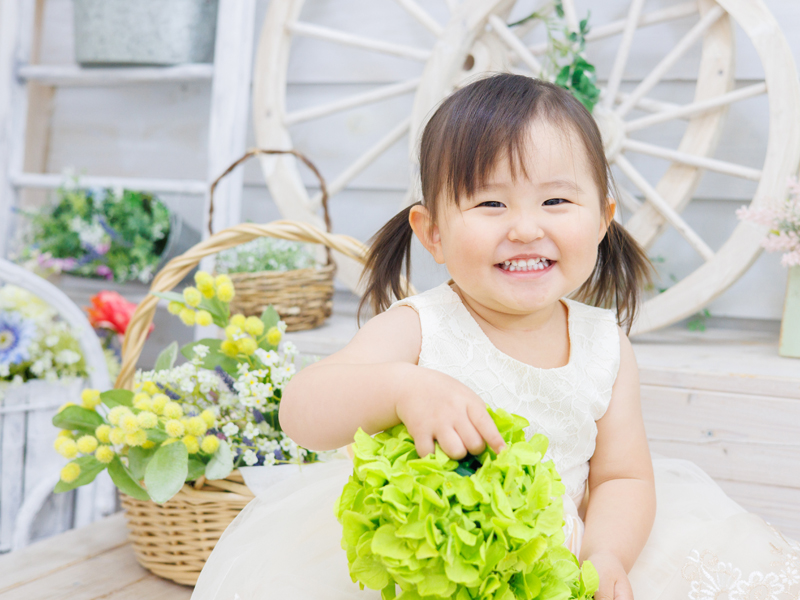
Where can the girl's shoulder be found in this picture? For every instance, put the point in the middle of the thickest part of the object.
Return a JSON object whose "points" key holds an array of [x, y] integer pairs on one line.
{"points": [[441, 294]]}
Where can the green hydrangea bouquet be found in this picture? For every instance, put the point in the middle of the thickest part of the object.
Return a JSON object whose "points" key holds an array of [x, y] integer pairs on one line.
{"points": [[487, 527]]}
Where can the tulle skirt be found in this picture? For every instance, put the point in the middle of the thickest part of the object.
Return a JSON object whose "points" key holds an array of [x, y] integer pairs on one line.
{"points": [[286, 544]]}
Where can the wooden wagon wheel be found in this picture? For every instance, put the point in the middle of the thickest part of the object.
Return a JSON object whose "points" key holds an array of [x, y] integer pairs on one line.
{"points": [[476, 38]]}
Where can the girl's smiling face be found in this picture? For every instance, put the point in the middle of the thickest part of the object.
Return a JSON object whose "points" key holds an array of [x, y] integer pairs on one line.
{"points": [[525, 238]]}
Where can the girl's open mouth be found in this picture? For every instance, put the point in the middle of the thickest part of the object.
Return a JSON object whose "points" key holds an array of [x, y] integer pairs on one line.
{"points": [[522, 265]]}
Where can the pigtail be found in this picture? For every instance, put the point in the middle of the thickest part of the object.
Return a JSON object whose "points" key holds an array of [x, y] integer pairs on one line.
{"points": [[383, 270], [621, 271]]}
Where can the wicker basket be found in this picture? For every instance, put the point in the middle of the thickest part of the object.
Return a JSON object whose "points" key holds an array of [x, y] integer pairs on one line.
{"points": [[302, 297], [174, 540]]}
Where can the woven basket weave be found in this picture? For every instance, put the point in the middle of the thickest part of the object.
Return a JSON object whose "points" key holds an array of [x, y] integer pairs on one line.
{"points": [[174, 540], [302, 297]]}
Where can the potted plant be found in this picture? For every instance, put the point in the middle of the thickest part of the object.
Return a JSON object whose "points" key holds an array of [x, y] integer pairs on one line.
{"points": [[282, 274], [150, 32], [104, 234], [783, 223]]}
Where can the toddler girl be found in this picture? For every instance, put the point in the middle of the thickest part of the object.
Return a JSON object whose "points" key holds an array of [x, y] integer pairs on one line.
{"points": [[518, 204]]}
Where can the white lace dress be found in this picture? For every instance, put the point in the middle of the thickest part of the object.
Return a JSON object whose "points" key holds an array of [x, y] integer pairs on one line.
{"points": [[704, 546]]}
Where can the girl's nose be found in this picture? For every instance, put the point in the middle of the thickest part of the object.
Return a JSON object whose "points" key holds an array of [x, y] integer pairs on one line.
{"points": [[525, 228]]}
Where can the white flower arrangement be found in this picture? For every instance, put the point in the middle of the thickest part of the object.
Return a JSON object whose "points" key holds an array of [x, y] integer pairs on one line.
{"points": [[34, 342]]}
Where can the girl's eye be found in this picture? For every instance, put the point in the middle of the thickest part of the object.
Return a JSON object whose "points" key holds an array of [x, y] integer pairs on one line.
{"points": [[492, 204], [555, 201]]}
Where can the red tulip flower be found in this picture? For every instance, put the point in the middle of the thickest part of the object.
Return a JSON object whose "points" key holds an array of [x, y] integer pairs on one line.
{"points": [[111, 311]]}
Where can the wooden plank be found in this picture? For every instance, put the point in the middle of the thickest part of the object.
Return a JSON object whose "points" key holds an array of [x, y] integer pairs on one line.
{"points": [[85, 580], [52, 556], [777, 505], [64, 75], [150, 587], [12, 477], [703, 416], [746, 462], [53, 181]]}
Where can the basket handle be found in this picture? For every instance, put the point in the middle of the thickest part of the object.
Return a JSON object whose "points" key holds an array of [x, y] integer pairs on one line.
{"points": [[261, 152], [180, 266]]}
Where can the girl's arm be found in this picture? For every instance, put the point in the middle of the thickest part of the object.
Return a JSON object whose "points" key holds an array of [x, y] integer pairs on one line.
{"points": [[375, 383], [622, 500]]}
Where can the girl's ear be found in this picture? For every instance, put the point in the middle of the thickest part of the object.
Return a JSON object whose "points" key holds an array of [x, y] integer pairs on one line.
{"points": [[612, 210], [427, 233]]}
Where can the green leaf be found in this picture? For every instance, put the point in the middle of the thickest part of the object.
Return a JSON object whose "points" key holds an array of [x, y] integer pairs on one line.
{"points": [[125, 481], [166, 360], [77, 417], [589, 578], [166, 472], [270, 317], [90, 468], [138, 458], [112, 398], [171, 296], [221, 464], [214, 358], [197, 468]]}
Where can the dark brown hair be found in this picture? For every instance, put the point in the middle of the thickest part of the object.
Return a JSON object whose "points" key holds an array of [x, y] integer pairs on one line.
{"points": [[472, 129]]}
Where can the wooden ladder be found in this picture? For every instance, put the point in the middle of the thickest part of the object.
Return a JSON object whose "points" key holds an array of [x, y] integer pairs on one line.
{"points": [[230, 76]]}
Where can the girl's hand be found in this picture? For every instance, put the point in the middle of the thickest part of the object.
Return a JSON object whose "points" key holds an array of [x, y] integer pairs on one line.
{"points": [[437, 407], [614, 584]]}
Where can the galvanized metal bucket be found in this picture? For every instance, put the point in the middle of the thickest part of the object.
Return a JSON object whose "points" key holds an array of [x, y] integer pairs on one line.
{"points": [[145, 32]]}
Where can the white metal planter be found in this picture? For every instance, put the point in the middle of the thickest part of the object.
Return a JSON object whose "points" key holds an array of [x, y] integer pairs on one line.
{"points": [[145, 32], [29, 467]]}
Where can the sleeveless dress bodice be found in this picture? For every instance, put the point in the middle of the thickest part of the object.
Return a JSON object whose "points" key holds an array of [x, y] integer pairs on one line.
{"points": [[562, 403]]}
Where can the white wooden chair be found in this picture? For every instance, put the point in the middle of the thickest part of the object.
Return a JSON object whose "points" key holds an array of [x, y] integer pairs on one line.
{"points": [[29, 467]]}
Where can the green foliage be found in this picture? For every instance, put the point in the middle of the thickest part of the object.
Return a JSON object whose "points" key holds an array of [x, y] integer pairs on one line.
{"points": [[699, 320], [78, 418], [112, 398], [265, 254], [90, 468], [487, 527], [221, 464], [166, 359], [125, 480], [100, 233], [166, 472], [565, 62]]}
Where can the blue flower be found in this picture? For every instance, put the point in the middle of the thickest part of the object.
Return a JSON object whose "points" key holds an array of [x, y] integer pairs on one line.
{"points": [[16, 335]]}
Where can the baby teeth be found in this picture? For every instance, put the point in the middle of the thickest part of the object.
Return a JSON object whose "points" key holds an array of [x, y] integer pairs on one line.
{"points": [[531, 264]]}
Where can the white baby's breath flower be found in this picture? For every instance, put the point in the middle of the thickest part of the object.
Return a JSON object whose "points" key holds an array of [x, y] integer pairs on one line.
{"points": [[201, 350], [67, 357], [249, 457], [51, 340], [230, 429]]}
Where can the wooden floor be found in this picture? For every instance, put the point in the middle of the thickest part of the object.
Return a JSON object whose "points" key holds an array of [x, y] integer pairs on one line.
{"points": [[90, 563]]}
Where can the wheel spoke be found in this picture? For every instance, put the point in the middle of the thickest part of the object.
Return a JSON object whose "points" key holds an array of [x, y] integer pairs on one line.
{"points": [[672, 13], [629, 200], [649, 82], [363, 161], [349, 39], [711, 164], [697, 108], [679, 11], [648, 104], [621, 59], [416, 11], [513, 42], [663, 208], [381, 93], [570, 15]]}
